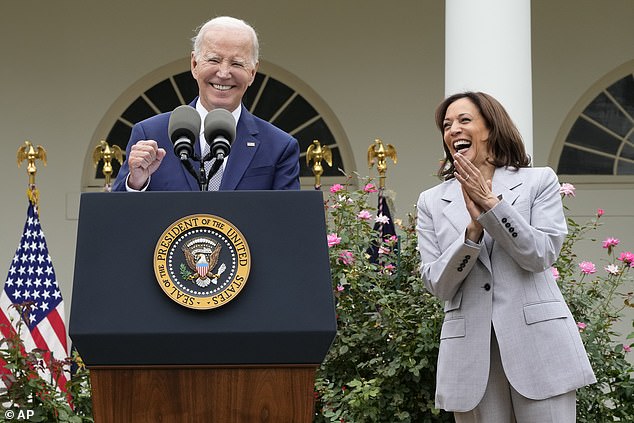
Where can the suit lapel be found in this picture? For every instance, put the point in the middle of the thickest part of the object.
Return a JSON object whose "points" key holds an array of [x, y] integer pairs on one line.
{"points": [[192, 182], [454, 208], [505, 182], [455, 212], [243, 150]]}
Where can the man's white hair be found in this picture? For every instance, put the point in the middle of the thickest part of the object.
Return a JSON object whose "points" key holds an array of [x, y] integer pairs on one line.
{"points": [[226, 22]]}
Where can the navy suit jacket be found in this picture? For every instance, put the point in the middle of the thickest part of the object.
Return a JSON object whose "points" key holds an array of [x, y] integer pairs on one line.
{"points": [[262, 157]]}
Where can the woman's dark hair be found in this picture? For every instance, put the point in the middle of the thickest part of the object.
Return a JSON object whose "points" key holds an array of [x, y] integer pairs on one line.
{"points": [[505, 141]]}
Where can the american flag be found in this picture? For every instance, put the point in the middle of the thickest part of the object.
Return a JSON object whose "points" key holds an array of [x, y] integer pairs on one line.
{"points": [[32, 279]]}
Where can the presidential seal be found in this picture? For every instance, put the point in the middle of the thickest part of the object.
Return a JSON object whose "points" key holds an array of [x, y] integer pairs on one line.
{"points": [[202, 261]]}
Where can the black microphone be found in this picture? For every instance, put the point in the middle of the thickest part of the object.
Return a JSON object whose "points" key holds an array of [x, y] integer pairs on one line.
{"points": [[220, 131], [184, 126]]}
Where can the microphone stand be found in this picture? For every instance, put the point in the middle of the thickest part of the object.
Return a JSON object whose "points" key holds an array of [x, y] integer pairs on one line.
{"points": [[201, 178]]}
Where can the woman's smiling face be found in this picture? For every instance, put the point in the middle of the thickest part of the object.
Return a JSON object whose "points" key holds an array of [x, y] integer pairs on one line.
{"points": [[466, 131]]}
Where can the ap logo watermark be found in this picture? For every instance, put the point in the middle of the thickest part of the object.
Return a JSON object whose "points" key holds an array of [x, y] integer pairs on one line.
{"points": [[18, 414]]}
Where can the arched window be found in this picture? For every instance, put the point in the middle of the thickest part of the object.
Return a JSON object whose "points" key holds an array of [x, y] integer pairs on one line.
{"points": [[275, 95], [599, 141]]}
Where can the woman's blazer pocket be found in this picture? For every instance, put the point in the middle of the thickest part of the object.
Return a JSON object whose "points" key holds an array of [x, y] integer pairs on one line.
{"points": [[453, 328], [454, 303], [547, 310]]}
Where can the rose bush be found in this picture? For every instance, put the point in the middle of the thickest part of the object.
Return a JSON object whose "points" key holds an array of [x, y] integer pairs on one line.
{"points": [[27, 391], [597, 296], [382, 365]]}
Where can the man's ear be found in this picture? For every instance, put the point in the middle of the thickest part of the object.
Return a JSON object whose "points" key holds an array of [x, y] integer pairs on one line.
{"points": [[254, 72], [193, 64]]}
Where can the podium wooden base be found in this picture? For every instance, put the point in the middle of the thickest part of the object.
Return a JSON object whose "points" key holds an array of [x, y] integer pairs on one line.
{"points": [[171, 394]]}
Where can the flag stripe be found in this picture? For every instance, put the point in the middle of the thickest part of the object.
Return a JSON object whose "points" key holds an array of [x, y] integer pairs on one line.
{"points": [[5, 325], [50, 339], [11, 316], [7, 332], [53, 329], [42, 344]]}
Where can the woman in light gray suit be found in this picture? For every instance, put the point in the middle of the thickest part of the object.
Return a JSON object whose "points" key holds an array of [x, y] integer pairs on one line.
{"points": [[510, 350]]}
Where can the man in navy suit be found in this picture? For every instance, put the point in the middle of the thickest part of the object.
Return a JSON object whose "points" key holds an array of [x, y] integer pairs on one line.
{"points": [[224, 62]]}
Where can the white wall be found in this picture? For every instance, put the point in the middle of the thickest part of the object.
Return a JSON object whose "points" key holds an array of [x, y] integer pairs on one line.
{"points": [[378, 65]]}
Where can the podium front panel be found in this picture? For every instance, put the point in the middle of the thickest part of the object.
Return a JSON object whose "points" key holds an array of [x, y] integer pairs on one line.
{"points": [[284, 314]]}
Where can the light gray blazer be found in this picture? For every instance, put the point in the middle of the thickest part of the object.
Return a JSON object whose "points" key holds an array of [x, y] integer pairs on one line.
{"points": [[510, 287]]}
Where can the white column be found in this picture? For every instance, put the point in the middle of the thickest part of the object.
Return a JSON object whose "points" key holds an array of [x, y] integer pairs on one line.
{"points": [[488, 49]]}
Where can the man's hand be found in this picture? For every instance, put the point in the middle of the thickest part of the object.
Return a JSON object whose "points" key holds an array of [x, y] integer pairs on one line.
{"points": [[145, 157]]}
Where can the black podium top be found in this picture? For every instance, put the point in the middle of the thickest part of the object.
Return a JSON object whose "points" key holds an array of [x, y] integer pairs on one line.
{"points": [[284, 314]]}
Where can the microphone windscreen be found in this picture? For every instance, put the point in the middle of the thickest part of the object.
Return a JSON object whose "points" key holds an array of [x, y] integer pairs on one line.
{"points": [[184, 122], [220, 122]]}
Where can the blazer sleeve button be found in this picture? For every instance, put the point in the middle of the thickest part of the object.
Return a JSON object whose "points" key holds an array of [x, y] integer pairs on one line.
{"points": [[487, 287], [514, 234]]}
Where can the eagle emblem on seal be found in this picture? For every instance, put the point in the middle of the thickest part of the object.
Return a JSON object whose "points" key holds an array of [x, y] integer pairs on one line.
{"points": [[202, 256]]}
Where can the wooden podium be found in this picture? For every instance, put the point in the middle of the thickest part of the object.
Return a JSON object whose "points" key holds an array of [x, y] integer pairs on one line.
{"points": [[250, 360]]}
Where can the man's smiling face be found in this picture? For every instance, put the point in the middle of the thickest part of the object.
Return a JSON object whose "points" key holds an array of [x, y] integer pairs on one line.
{"points": [[224, 68]]}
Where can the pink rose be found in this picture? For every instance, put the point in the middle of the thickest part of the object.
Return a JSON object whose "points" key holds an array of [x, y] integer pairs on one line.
{"points": [[610, 242], [346, 257], [567, 190], [333, 240], [627, 257], [336, 188], [364, 215], [587, 267], [370, 188]]}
